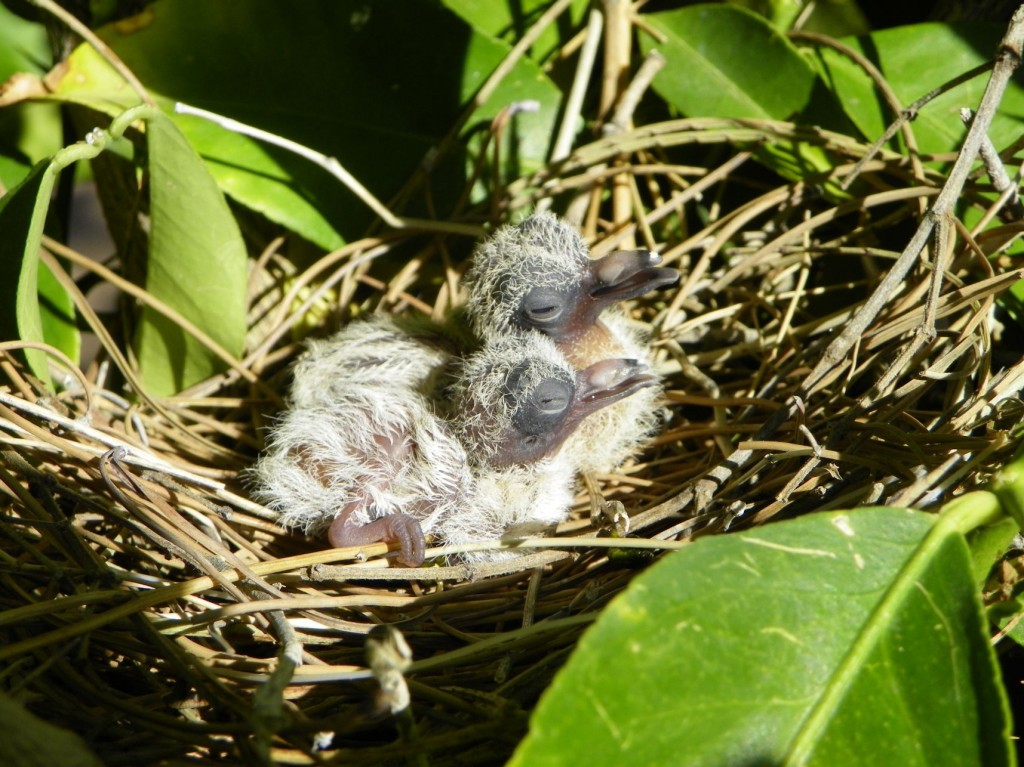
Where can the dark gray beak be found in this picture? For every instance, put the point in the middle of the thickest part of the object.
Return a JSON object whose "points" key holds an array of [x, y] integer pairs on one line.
{"points": [[627, 274], [609, 381]]}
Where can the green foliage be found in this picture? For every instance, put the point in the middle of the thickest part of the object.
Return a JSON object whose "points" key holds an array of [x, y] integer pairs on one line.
{"points": [[814, 641], [196, 265], [28, 132], [347, 95], [22, 213], [832, 17], [509, 21], [914, 60], [705, 77]]}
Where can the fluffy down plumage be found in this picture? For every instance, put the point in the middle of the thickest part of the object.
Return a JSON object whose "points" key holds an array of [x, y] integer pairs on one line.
{"points": [[544, 264]]}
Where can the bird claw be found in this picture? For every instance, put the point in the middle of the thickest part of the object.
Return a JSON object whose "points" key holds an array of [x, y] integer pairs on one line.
{"points": [[395, 528]]}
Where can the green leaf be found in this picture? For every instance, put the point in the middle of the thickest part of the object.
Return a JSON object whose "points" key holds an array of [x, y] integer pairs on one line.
{"points": [[196, 265], [988, 544], [28, 132], [914, 60], [33, 305], [57, 315], [22, 215], [834, 17], [510, 21], [723, 61], [29, 741], [834, 639], [351, 94], [23, 45]]}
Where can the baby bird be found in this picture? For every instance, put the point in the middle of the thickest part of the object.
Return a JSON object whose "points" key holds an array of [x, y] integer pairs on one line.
{"points": [[538, 276], [517, 401], [368, 452], [360, 450]]}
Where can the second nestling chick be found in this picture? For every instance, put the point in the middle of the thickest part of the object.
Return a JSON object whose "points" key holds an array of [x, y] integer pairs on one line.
{"points": [[516, 403], [537, 276], [364, 453]]}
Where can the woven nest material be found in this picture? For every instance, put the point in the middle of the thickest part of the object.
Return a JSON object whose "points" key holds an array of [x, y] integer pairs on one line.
{"points": [[151, 606]]}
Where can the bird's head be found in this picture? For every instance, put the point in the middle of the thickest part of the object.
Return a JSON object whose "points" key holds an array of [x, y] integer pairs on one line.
{"points": [[518, 400], [538, 275]]}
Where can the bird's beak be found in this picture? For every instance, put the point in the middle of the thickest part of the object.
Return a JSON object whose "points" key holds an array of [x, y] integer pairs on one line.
{"points": [[609, 381], [627, 274]]}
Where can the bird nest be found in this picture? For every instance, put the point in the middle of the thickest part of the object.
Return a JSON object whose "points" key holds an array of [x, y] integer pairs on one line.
{"points": [[152, 606]]}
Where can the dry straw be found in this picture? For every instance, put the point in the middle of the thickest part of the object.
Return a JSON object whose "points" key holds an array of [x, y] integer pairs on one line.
{"points": [[148, 603]]}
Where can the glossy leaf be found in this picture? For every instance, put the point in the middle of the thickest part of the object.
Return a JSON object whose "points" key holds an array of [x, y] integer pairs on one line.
{"points": [[834, 639], [57, 315], [723, 61], [28, 132], [835, 17], [22, 215], [196, 265], [23, 45], [348, 95], [988, 544], [914, 60]]}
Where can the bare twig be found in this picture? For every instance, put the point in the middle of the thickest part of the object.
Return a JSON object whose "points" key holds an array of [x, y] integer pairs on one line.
{"points": [[1001, 180]]}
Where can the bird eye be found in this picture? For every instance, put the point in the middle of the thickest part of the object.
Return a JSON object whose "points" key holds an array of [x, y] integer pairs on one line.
{"points": [[540, 408], [543, 306], [551, 396]]}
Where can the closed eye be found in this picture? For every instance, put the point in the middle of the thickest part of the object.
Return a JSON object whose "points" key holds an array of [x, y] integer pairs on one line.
{"points": [[544, 312], [543, 306]]}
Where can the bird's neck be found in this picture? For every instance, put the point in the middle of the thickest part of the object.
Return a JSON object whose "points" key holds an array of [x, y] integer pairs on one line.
{"points": [[593, 344]]}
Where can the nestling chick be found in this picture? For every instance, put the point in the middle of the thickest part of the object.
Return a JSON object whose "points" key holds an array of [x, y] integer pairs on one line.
{"points": [[367, 452], [360, 451], [538, 276], [516, 403]]}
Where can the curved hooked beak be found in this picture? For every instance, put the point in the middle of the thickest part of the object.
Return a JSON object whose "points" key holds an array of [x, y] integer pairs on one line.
{"points": [[609, 381], [627, 274]]}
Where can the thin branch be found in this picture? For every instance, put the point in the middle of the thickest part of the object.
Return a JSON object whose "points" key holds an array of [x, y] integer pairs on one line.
{"points": [[1001, 180], [332, 166]]}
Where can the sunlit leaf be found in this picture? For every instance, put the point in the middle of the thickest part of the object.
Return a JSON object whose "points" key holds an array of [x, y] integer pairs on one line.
{"points": [[835, 639], [28, 132], [914, 60], [723, 61], [57, 315], [22, 215], [196, 265], [348, 95], [510, 21]]}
